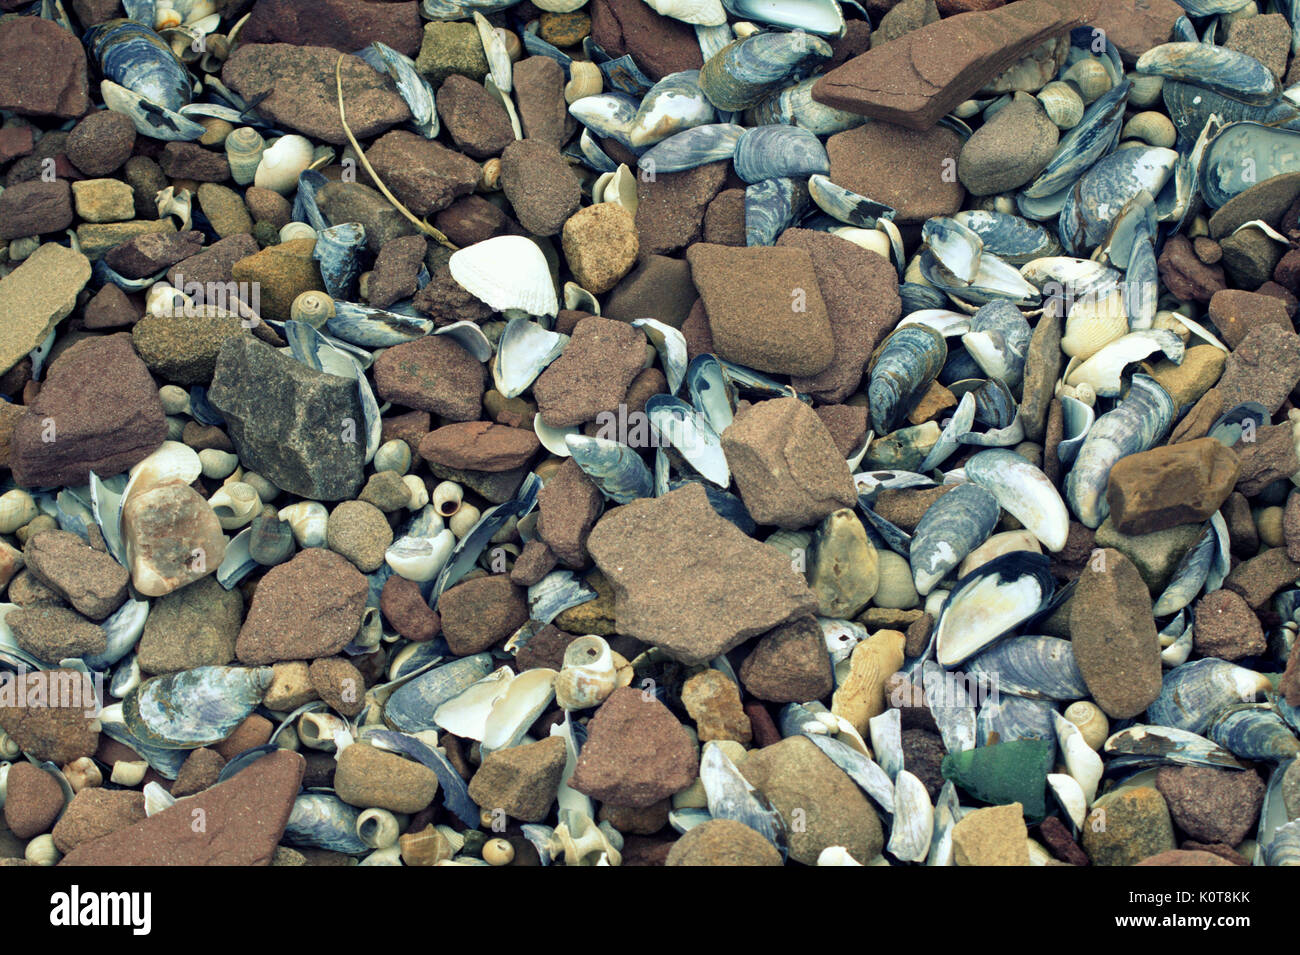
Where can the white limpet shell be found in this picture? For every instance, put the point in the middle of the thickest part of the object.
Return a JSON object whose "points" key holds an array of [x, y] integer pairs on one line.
{"points": [[282, 162], [506, 272], [307, 520], [705, 13]]}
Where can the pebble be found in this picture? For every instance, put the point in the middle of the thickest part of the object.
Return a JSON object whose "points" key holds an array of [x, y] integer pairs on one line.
{"points": [[1186, 276], [397, 270], [636, 753], [521, 781], [670, 207], [344, 25], [1009, 150], [339, 684], [1226, 627], [479, 446], [722, 842], [1003, 773], [52, 633], [481, 612], [866, 160], [667, 556], [309, 607], [44, 71], [432, 374], [360, 532], [993, 836], [785, 464], [568, 507], [448, 48], [280, 274], [539, 185], [660, 45], [58, 731], [200, 771], [1266, 38], [1212, 805], [593, 373], [788, 664], [257, 390], [95, 813], [90, 580], [795, 775], [425, 176], [36, 296], [475, 119], [1270, 457], [144, 255], [103, 200], [1262, 576], [225, 209], [33, 800], [712, 700], [1126, 826], [1166, 486], [600, 245], [539, 93], [406, 610]]}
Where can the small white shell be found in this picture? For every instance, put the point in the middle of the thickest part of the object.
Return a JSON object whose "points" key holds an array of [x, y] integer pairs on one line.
{"points": [[419, 492], [1091, 78], [17, 508], [175, 400], [463, 521], [378, 828], [420, 558], [705, 13], [394, 455], [585, 79], [218, 464], [588, 676], [173, 461], [296, 230], [307, 519], [1093, 323], [41, 851], [282, 162], [447, 498], [1062, 104], [235, 504], [506, 272]]}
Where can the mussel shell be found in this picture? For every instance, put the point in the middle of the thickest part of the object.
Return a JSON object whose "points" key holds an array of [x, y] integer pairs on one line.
{"points": [[900, 371], [771, 206], [998, 340], [691, 148], [324, 821], [731, 796], [771, 152], [673, 104], [953, 526], [1040, 668], [194, 708], [135, 57], [1253, 731], [989, 602], [1102, 192], [410, 707], [1010, 717], [1243, 154], [1025, 492], [613, 467], [1193, 694], [1014, 239], [1226, 71], [745, 71], [1167, 745], [1083, 145], [845, 205]]}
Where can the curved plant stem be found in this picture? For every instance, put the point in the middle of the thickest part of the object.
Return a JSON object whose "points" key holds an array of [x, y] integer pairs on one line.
{"points": [[420, 224]]}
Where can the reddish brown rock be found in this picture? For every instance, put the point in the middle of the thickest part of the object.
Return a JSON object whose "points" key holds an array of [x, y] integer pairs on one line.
{"points": [[671, 206], [294, 87], [1135, 26], [636, 752], [144, 255], [424, 175], [867, 159], [688, 580], [917, 78], [724, 220], [474, 219], [540, 185], [35, 208], [95, 813], [200, 771], [592, 374], [50, 714], [1235, 313], [787, 468], [479, 446], [344, 25], [1226, 627], [534, 562], [1262, 576], [397, 270], [1062, 845], [1265, 367], [101, 142], [475, 119], [539, 92], [42, 69], [860, 291], [98, 410], [406, 610], [1212, 805], [244, 818], [846, 423], [568, 507], [33, 800], [1170, 485], [1186, 276], [1181, 857], [660, 45], [89, 579], [764, 307], [521, 780], [481, 612], [305, 608], [1114, 637], [339, 684], [1269, 456], [192, 161], [789, 664], [433, 374]]}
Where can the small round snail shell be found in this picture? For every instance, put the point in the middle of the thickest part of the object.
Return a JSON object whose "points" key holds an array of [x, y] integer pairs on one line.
{"points": [[236, 504], [175, 399], [266, 491], [394, 455], [244, 148], [1146, 89], [218, 131], [447, 498], [463, 520], [17, 508], [490, 180], [498, 852], [1152, 127], [514, 48], [307, 519], [41, 851], [282, 162], [316, 730], [588, 675], [313, 308], [218, 464], [419, 492], [1062, 104], [83, 773], [21, 249], [165, 16], [1091, 721], [216, 49], [389, 855], [9, 748], [585, 79], [1090, 77], [296, 230], [378, 828]]}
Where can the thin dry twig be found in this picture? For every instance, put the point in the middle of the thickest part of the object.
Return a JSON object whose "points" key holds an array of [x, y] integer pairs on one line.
{"points": [[420, 224]]}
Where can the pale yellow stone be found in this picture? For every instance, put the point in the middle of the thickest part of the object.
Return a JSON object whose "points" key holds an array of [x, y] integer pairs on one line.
{"points": [[862, 695]]}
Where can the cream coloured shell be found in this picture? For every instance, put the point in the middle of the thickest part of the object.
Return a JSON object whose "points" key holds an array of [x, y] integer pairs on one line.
{"points": [[1094, 322], [175, 399], [282, 162], [17, 508], [244, 149], [588, 676], [313, 308], [585, 79], [1062, 103], [307, 520], [393, 455], [235, 504], [506, 272], [1091, 721], [1152, 127], [296, 230], [705, 13], [1090, 76]]}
